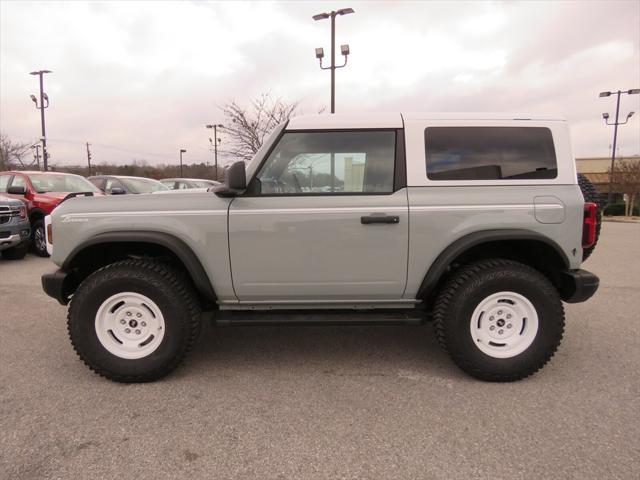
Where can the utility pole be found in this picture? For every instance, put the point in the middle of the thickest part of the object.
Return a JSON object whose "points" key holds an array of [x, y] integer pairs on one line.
{"points": [[605, 116], [36, 149], [344, 49], [215, 142], [89, 157], [43, 97]]}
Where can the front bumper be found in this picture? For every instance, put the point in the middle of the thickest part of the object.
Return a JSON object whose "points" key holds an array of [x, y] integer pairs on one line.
{"points": [[53, 285], [14, 239], [578, 286]]}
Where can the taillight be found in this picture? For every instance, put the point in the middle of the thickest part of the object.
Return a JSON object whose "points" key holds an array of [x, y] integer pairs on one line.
{"points": [[50, 234], [589, 225]]}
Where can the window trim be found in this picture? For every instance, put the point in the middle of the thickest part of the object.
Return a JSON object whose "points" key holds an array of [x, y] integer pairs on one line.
{"points": [[500, 181], [399, 165]]}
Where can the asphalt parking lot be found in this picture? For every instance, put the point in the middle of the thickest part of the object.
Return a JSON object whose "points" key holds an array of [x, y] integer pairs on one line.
{"points": [[326, 402]]}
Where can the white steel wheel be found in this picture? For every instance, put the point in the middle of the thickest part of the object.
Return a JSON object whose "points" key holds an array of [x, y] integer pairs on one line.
{"points": [[504, 325], [129, 325]]}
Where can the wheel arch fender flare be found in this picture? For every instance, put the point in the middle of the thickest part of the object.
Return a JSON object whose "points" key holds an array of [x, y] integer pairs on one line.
{"points": [[177, 246], [439, 267]]}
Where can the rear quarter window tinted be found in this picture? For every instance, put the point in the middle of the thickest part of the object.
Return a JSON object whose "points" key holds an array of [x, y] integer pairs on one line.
{"points": [[490, 153]]}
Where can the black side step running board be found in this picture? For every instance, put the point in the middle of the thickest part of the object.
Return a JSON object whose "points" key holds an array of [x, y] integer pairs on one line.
{"points": [[317, 317]]}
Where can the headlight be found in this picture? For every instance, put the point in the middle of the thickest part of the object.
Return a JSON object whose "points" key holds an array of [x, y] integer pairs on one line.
{"points": [[22, 211]]}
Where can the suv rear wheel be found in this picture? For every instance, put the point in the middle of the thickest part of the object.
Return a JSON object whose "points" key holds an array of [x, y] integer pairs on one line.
{"points": [[499, 320], [134, 321]]}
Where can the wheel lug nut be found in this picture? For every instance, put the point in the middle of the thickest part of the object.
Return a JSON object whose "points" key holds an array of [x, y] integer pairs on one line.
{"points": [[144, 324], [138, 315], [500, 331], [508, 315], [509, 325], [491, 318], [123, 321], [128, 314], [492, 327], [127, 330], [137, 332], [499, 312]]}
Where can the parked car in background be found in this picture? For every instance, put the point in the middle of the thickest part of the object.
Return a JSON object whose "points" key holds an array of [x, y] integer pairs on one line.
{"points": [[121, 185], [14, 228], [186, 183], [42, 192]]}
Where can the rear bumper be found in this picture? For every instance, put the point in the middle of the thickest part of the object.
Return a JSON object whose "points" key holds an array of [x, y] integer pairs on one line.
{"points": [[578, 285], [53, 285]]}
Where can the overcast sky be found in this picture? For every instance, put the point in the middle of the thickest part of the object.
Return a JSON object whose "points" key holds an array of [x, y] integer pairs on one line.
{"points": [[139, 80]]}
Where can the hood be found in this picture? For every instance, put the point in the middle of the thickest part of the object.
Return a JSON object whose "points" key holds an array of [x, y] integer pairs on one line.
{"points": [[117, 204], [10, 201], [61, 195]]}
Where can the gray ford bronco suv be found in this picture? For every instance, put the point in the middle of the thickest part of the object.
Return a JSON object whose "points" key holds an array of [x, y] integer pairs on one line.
{"points": [[476, 222]]}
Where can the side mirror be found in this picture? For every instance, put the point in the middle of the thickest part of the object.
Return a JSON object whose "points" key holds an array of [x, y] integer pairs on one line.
{"points": [[16, 190], [236, 178], [235, 181], [117, 191]]}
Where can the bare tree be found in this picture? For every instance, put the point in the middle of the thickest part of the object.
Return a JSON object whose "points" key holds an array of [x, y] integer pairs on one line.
{"points": [[246, 127], [12, 153], [626, 178]]}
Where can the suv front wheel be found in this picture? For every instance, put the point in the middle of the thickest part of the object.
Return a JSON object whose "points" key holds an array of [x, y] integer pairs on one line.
{"points": [[134, 321], [499, 320]]}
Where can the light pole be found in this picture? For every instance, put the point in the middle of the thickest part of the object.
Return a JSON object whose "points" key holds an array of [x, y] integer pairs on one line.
{"points": [[215, 142], [615, 124], [36, 148], [43, 98], [182, 150], [344, 49]]}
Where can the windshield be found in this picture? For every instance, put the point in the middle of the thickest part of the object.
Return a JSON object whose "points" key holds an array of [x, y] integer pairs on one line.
{"points": [[266, 145], [142, 185], [44, 182]]}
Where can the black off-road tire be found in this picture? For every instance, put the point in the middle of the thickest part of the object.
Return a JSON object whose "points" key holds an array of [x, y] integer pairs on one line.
{"points": [[171, 291], [466, 289], [16, 253], [39, 243], [590, 194]]}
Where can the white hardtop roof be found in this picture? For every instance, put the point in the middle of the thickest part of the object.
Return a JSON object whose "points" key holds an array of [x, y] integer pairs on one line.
{"points": [[395, 120]]}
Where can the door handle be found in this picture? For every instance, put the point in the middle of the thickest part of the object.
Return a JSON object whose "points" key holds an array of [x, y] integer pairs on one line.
{"points": [[366, 220]]}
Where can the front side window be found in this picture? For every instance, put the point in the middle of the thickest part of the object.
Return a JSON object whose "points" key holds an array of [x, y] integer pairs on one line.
{"points": [[315, 163], [4, 183], [490, 153], [18, 181]]}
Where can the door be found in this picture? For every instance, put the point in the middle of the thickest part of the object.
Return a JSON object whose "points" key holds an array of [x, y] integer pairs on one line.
{"points": [[326, 219]]}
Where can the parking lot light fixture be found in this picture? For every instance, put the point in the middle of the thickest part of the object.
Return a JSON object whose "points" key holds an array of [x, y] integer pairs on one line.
{"points": [[215, 142], [344, 50], [615, 124], [41, 107]]}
